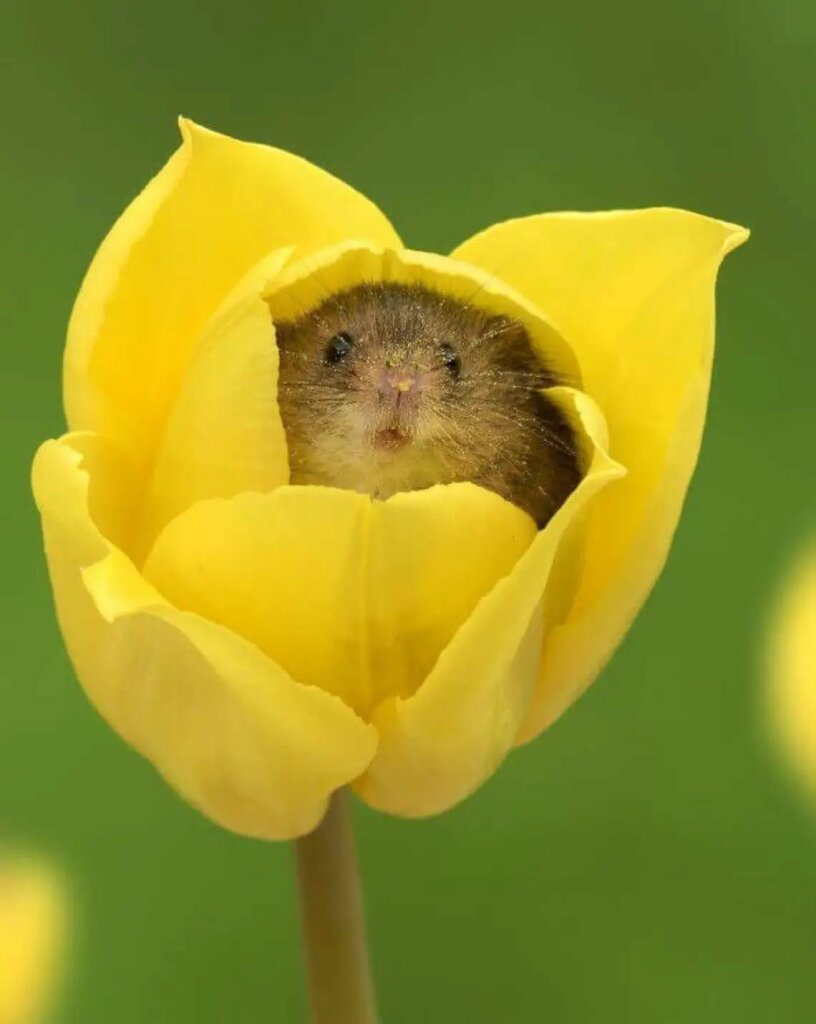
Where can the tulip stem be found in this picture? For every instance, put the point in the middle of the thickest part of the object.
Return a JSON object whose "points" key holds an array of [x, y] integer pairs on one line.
{"points": [[341, 990]]}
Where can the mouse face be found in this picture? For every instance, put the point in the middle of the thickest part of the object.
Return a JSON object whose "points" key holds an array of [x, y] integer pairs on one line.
{"points": [[388, 387]]}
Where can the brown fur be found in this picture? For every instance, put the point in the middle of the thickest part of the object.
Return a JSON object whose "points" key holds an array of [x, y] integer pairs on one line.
{"points": [[488, 423]]}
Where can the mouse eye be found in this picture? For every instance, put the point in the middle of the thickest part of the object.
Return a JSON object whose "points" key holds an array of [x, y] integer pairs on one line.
{"points": [[339, 347], [450, 360]]}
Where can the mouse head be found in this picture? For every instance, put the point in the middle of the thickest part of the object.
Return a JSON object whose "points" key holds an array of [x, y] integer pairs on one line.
{"points": [[400, 381]]}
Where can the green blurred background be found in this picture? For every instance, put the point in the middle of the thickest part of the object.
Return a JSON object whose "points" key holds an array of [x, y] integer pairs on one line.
{"points": [[647, 861]]}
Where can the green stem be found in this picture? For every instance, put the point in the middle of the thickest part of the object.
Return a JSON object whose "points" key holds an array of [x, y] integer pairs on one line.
{"points": [[331, 907]]}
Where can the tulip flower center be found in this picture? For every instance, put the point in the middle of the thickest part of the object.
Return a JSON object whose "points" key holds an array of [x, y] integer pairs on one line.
{"points": [[388, 387]]}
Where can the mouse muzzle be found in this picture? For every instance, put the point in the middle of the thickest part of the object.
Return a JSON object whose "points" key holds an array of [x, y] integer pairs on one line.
{"points": [[398, 393], [394, 382]]}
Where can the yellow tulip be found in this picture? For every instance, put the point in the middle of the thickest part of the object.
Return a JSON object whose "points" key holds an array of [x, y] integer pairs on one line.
{"points": [[792, 669], [264, 644], [31, 931]]}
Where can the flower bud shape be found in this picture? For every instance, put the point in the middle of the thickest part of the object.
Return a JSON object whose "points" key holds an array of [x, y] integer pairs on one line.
{"points": [[264, 643]]}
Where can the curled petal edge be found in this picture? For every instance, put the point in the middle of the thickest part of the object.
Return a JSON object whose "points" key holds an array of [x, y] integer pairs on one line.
{"points": [[634, 292]]}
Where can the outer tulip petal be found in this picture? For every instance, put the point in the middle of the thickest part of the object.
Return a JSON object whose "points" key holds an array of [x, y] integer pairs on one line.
{"points": [[792, 670], [342, 591], [634, 294], [440, 744], [305, 283], [224, 434], [217, 207], [237, 737]]}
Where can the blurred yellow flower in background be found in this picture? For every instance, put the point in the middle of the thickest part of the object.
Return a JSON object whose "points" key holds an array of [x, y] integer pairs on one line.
{"points": [[32, 926], [792, 669], [264, 644]]}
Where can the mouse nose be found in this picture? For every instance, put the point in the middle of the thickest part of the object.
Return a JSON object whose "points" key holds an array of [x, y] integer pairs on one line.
{"points": [[399, 380]]}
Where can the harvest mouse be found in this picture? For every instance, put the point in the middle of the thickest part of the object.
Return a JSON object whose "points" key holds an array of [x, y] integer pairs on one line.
{"points": [[390, 387]]}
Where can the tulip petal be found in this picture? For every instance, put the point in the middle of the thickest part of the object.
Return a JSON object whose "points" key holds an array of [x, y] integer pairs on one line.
{"points": [[229, 729], [440, 744], [306, 283], [224, 434], [342, 591], [213, 212], [634, 294]]}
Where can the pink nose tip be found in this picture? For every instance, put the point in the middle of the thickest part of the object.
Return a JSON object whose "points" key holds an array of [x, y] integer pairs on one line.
{"points": [[398, 379]]}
